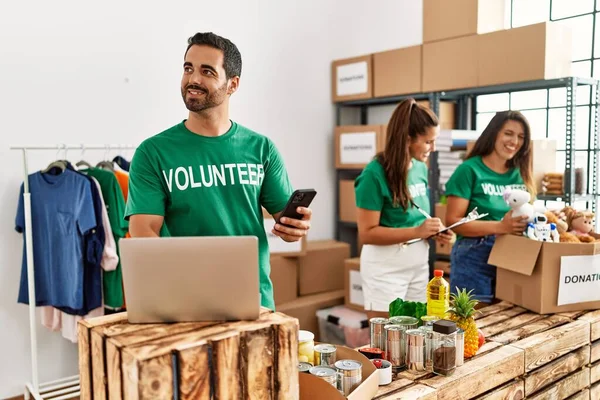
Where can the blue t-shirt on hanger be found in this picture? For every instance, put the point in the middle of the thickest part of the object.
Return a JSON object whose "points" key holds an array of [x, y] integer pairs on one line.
{"points": [[62, 212]]}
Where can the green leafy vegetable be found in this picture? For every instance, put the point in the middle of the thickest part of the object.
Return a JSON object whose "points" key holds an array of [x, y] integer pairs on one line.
{"points": [[415, 309]]}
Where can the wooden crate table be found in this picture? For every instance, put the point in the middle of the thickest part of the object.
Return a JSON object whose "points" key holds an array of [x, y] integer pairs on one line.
{"points": [[233, 360], [526, 356]]}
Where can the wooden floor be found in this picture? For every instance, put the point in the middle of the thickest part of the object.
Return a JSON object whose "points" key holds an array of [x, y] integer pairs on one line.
{"points": [[526, 356]]}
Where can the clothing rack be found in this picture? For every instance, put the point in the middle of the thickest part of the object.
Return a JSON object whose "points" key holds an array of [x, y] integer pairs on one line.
{"points": [[65, 388]]}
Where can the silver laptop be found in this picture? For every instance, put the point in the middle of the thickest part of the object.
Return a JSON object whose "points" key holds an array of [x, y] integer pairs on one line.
{"points": [[190, 279]]}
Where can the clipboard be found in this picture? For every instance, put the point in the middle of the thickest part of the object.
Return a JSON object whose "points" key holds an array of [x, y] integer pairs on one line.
{"points": [[472, 216]]}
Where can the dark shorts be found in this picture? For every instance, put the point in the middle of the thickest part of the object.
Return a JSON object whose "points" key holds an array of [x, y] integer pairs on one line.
{"points": [[470, 270]]}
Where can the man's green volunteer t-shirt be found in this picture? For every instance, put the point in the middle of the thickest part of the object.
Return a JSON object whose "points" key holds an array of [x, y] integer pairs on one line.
{"points": [[211, 186], [483, 187], [373, 193]]}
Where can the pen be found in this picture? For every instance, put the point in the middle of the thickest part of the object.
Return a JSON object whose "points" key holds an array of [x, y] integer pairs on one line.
{"points": [[421, 211]]}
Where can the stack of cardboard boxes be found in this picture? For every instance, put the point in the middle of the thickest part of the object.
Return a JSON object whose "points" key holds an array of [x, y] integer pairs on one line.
{"points": [[465, 45], [307, 276]]}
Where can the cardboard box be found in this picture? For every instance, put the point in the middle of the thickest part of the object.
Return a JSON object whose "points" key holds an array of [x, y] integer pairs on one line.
{"points": [[279, 247], [397, 71], [443, 19], [305, 308], [529, 274], [314, 388], [547, 47], [440, 248], [347, 201], [450, 64], [284, 275], [356, 145], [352, 78], [446, 115], [322, 268], [353, 285]]}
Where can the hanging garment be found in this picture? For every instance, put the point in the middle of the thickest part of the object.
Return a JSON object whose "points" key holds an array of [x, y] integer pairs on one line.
{"points": [[110, 258], [94, 247], [57, 320], [123, 178], [122, 162], [62, 213], [115, 205]]}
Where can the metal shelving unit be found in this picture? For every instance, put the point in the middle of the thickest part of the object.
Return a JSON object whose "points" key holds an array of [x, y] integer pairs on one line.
{"points": [[466, 113], [570, 84]]}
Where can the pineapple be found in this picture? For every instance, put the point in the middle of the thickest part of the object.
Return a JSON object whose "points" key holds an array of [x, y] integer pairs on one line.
{"points": [[462, 311]]}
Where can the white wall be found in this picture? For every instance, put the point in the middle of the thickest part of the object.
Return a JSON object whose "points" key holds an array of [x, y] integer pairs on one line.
{"points": [[109, 72]]}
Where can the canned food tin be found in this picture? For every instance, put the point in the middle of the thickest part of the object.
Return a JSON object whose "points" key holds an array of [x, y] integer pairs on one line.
{"points": [[325, 354], [395, 351], [405, 321], [328, 374], [377, 330], [350, 375], [304, 366]]}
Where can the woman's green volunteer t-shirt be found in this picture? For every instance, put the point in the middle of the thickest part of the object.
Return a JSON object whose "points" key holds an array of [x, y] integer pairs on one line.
{"points": [[373, 193], [211, 186], [483, 187]]}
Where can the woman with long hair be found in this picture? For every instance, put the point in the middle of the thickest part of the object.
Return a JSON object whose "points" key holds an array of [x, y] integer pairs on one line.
{"points": [[500, 160], [393, 209]]}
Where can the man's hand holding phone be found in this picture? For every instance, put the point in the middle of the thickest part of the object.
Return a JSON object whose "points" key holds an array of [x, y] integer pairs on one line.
{"points": [[293, 223], [294, 229]]}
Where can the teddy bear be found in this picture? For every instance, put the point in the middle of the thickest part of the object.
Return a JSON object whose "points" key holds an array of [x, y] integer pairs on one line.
{"points": [[580, 224], [559, 218]]}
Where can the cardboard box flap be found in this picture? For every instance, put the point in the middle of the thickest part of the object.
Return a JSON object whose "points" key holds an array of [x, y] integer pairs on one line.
{"points": [[315, 388], [514, 253]]}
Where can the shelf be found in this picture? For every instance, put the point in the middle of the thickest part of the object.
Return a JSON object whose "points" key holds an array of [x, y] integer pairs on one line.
{"points": [[381, 101], [517, 86], [480, 90], [576, 197]]}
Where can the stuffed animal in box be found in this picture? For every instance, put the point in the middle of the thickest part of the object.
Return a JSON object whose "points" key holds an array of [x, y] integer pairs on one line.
{"points": [[518, 200], [559, 218], [581, 224], [541, 230]]}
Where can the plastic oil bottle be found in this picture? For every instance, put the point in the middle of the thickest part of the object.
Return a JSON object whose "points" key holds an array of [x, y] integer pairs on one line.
{"points": [[438, 295]]}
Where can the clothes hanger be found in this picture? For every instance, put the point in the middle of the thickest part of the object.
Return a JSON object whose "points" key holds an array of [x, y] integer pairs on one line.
{"points": [[107, 165], [60, 164], [83, 162]]}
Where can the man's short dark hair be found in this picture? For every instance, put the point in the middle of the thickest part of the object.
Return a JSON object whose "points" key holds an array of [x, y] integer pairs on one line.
{"points": [[232, 59]]}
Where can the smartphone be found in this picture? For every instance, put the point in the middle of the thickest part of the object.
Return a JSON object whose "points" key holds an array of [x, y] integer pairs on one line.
{"points": [[300, 198]]}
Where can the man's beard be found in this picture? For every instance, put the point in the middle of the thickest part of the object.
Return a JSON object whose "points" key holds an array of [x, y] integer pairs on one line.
{"points": [[209, 100]]}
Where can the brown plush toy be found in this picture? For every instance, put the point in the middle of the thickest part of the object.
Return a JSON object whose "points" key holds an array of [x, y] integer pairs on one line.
{"points": [[560, 219], [580, 224]]}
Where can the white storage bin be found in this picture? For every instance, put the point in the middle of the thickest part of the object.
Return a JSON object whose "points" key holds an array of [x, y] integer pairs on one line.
{"points": [[343, 326]]}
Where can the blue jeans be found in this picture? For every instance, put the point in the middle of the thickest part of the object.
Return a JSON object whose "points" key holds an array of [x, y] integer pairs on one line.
{"points": [[469, 267]]}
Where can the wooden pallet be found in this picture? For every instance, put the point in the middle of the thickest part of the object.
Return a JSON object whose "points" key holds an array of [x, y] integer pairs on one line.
{"points": [[526, 356], [245, 359]]}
